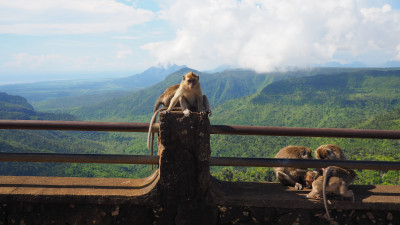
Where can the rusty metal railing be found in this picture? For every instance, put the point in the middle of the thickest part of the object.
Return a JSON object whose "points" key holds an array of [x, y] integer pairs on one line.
{"points": [[214, 161], [79, 158], [214, 129]]}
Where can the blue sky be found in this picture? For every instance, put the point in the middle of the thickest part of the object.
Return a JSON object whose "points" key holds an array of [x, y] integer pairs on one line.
{"points": [[70, 39]]}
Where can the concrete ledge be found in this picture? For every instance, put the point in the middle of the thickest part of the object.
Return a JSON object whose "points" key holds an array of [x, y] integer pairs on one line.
{"points": [[142, 191], [78, 189], [379, 197]]}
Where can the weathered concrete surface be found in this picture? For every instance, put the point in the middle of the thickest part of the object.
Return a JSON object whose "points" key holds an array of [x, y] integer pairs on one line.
{"points": [[185, 180], [382, 197], [79, 189]]}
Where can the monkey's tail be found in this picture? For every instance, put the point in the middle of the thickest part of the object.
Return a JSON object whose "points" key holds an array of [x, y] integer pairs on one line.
{"points": [[150, 134], [326, 178], [156, 106]]}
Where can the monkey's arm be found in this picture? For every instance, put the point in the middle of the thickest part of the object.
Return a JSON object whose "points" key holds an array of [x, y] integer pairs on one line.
{"points": [[287, 180], [185, 105], [206, 105], [199, 101], [175, 100]]}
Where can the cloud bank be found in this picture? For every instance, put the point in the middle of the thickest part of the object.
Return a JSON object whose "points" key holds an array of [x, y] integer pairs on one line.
{"points": [[265, 35], [50, 17]]}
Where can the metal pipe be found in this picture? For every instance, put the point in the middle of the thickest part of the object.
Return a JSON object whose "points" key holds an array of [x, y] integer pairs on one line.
{"points": [[304, 132], [214, 129], [303, 163], [73, 125], [215, 161], [79, 158]]}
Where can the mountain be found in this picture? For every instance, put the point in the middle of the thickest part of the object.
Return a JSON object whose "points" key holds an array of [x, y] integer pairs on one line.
{"points": [[17, 107], [37, 141], [147, 78], [219, 87], [317, 101], [41, 91]]}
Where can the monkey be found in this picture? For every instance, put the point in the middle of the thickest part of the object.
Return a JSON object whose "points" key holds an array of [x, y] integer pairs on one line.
{"points": [[187, 95], [310, 177], [335, 180], [165, 98], [292, 176], [330, 151], [334, 152]]}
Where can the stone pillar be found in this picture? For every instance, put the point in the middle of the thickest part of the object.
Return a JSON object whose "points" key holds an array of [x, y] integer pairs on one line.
{"points": [[185, 180]]}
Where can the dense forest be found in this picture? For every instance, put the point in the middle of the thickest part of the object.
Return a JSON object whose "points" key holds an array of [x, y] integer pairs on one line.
{"points": [[325, 98]]}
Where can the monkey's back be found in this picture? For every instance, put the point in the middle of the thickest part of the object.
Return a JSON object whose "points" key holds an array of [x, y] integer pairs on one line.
{"points": [[165, 98], [293, 152], [329, 151], [347, 175]]}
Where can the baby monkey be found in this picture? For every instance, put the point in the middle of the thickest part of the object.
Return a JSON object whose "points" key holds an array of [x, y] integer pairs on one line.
{"points": [[187, 95], [292, 176], [335, 180]]}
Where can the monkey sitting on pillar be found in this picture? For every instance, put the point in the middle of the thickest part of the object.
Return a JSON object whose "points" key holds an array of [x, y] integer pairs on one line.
{"points": [[292, 176], [187, 95]]}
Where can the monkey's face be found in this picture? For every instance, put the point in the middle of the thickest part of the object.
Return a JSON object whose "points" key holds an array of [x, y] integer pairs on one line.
{"points": [[191, 79], [310, 177], [306, 153], [331, 152]]}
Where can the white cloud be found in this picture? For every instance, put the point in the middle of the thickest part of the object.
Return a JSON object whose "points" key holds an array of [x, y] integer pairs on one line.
{"points": [[269, 34], [68, 16], [27, 61], [122, 53]]}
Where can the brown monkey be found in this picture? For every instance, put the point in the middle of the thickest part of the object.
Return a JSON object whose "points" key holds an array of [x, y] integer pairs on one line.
{"points": [[335, 180], [310, 177], [187, 95], [165, 98], [332, 152], [292, 176]]}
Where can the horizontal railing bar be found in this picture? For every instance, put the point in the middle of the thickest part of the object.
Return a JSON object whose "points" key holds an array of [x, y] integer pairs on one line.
{"points": [[304, 132], [79, 158], [215, 161], [214, 129], [303, 163], [73, 125]]}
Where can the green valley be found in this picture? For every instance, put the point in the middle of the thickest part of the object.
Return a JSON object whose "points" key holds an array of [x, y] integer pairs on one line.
{"points": [[323, 98]]}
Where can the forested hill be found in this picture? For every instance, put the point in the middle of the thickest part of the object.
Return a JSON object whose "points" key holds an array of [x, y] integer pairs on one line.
{"points": [[335, 100], [32, 141], [17, 107], [139, 105], [219, 87], [363, 99]]}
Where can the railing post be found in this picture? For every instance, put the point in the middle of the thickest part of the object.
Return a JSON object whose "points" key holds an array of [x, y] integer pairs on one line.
{"points": [[185, 180]]}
